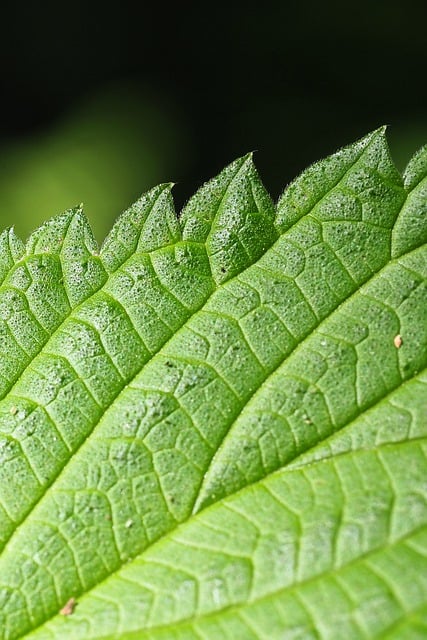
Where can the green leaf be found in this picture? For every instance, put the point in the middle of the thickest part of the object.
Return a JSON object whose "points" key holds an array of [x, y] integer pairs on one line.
{"points": [[216, 427]]}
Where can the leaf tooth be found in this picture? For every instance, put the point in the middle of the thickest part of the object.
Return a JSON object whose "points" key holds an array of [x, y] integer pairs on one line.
{"points": [[150, 223], [234, 216], [11, 250], [416, 169], [410, 229], [309, 189], [49, 238], [199, 212]]}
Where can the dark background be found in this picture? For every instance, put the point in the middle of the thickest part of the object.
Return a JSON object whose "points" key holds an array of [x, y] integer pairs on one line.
{"points": [[101, 101]]}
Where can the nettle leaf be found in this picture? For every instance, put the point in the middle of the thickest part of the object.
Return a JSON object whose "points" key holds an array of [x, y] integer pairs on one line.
{"points": [[216, 427]]}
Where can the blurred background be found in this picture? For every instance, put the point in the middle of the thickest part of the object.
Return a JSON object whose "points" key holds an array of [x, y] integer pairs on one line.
{"points": [[103, 100]]}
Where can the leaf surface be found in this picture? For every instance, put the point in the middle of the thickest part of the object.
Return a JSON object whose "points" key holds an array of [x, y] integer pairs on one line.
{"points": [[216, 426]]}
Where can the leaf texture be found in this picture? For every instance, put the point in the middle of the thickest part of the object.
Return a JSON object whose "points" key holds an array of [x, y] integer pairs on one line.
{"points": [[215, 427]]}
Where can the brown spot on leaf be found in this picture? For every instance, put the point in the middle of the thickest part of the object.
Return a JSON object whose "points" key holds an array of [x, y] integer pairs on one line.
{"points": [[398, 341], [68, 608]]}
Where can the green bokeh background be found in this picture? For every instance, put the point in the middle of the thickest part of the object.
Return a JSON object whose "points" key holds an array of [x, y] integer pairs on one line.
{"points": [[105, 152]]}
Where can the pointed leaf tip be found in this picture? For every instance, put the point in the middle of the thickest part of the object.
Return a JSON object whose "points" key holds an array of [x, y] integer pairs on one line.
{"points": [[234, 215], [352, 170], [149, 224], [11, 250], [410, 230], [50, 236]]}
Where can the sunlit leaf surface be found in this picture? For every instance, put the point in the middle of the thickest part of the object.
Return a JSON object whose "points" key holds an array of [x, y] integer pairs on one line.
{"points": [[215, 427]]}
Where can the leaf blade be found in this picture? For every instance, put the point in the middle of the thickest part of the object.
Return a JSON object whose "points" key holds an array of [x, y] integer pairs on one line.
{"points": [[287, 520], [142, 386]]}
